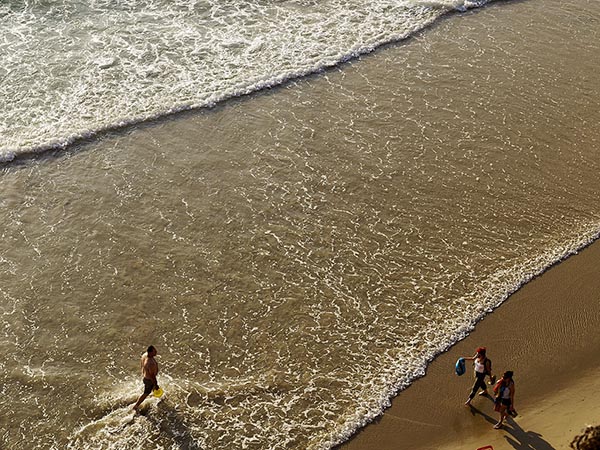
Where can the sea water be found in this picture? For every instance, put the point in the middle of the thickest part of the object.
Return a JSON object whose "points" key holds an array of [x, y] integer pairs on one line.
{"points": [[298, 255], [70, 68]]}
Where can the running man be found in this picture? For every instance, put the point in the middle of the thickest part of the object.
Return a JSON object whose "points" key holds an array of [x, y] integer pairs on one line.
{"points": [[149, 372]]}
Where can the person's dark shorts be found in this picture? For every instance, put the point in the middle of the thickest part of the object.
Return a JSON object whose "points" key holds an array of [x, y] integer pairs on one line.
{"points": [[505, 402], [148, 386]]}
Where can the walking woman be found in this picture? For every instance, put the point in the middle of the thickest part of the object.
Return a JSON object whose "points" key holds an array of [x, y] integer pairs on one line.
{"points": [[483, 367], [505, 397]]}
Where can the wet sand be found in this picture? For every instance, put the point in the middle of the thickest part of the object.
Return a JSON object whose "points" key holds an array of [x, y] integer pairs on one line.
{"points": [[303, 162], [547, 333]]}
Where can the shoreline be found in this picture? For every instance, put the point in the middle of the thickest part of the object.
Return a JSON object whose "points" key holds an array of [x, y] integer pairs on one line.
{"points": [[546, 332], [124, 125]]}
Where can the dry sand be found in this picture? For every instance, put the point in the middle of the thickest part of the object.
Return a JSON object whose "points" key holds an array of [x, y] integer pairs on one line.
{"points": [[547, 333]]}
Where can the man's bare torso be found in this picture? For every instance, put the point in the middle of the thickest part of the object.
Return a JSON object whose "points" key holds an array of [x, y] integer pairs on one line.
{"points": [[149, 367]]}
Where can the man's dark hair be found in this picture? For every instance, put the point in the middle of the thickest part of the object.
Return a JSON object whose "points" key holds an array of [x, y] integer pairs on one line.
{"points": [[151, 349], [588, 440]]}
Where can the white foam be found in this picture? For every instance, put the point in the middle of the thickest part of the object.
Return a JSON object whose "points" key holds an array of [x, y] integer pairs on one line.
{"points": [[270, 408], [7, 156], [68, 77], [494, 291]]}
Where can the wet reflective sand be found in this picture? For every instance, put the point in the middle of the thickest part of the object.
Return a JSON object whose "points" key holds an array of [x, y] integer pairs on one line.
{"points": [[297, 255]]}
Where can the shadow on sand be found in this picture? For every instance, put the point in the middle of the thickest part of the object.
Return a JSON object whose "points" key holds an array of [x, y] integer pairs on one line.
{"points": [[515, 435]]}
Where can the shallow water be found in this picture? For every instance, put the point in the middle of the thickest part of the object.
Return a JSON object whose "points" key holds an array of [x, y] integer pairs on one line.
{"points": [[299, 254], [70, 69]]}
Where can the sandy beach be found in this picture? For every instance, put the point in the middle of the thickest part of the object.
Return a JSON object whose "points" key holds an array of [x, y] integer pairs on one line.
{"points": [[547, 332], [301, 254]]}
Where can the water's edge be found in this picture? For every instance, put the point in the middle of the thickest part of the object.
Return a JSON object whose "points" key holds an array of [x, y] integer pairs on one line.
{"points": [[278, 80], [555, 257]]}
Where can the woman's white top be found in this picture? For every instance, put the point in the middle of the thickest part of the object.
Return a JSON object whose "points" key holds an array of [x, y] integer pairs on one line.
{"points": [[480, 365]]}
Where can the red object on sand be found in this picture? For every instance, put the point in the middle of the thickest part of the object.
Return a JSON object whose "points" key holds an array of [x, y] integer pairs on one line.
{"points": [[487, 447]]}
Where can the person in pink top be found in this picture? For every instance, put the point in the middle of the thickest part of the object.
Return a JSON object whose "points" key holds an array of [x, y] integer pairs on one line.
{"points": [[505, 397]]}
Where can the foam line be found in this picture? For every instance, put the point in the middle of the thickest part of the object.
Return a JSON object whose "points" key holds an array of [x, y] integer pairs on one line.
{"points": [[61, 125]]}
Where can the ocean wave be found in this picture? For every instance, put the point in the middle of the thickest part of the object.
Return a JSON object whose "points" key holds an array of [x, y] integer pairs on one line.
{"points": [[72, 72]]}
